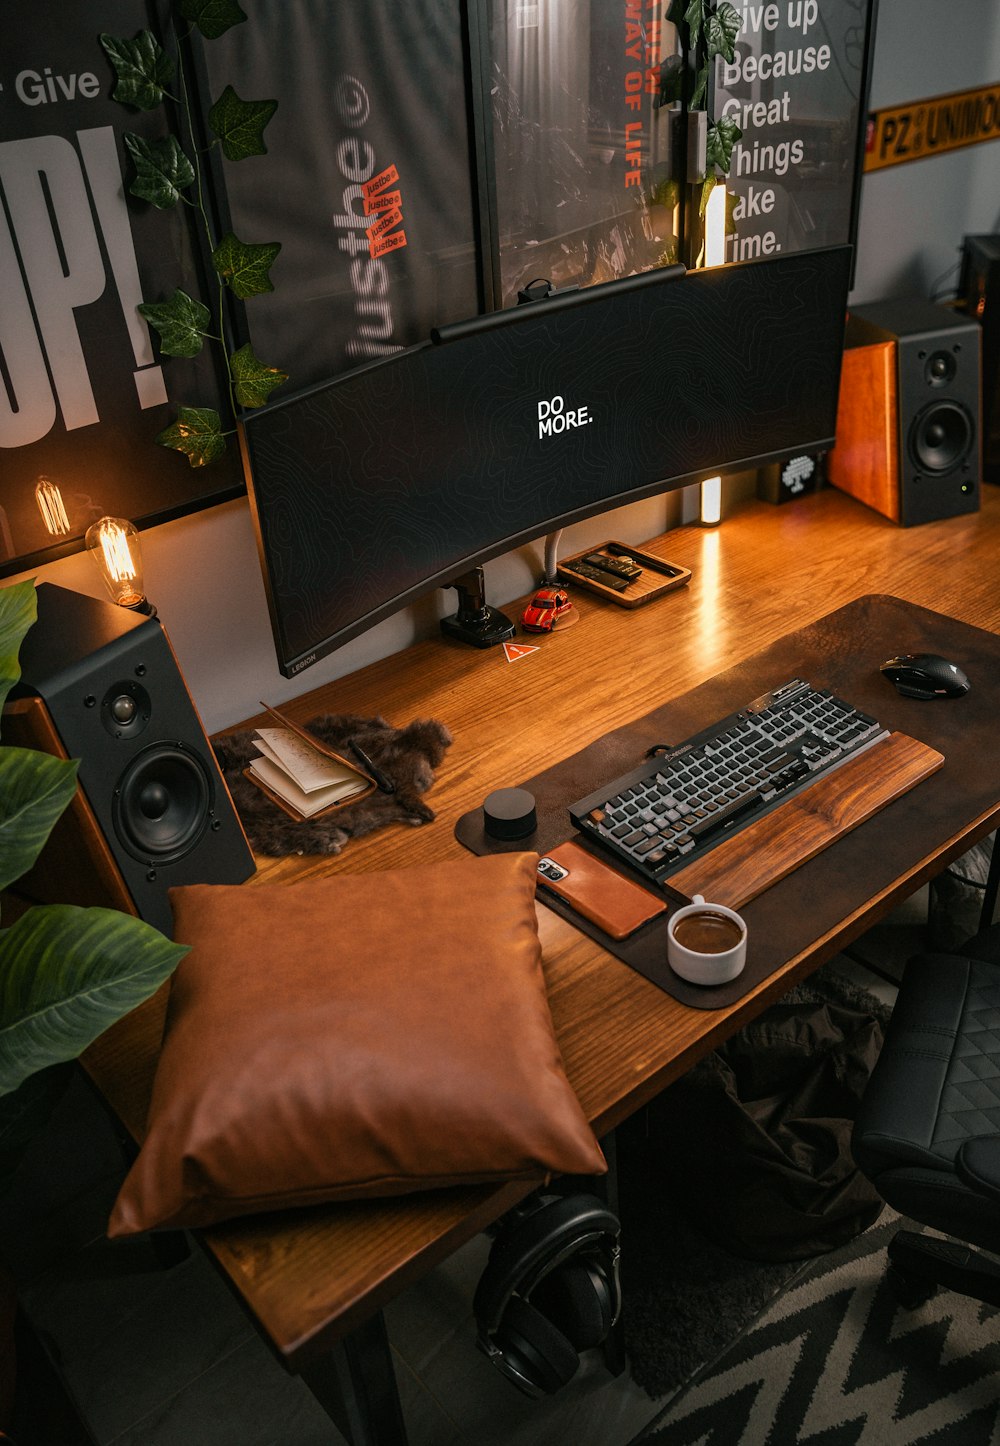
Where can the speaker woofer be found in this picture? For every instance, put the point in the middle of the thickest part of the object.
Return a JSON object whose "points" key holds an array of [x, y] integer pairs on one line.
{"points": [[162, 803], [941, 436]]}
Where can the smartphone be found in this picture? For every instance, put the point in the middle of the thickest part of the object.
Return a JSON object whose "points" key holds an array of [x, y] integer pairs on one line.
{"points": [[597, 890]]}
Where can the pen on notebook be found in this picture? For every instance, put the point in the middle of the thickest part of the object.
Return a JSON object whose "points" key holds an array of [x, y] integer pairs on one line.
{"points": [[385, 785]]}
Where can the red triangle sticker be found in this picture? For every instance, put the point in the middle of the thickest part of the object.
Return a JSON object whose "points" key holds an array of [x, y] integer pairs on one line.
{"points": [[518, 650]]}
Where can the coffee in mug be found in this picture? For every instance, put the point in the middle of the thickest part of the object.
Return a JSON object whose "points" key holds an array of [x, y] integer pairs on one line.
{"points": [[706, 931], [706, 943]]}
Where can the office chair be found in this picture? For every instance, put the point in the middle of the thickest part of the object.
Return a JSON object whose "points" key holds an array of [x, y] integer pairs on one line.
{"points": [[927, 1134]]}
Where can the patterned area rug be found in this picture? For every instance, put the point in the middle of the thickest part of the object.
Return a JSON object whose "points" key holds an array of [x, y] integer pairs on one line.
{"points": [[835, 1361]]}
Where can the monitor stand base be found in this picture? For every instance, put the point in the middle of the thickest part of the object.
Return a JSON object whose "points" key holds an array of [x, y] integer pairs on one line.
{"points": [[476, 622]]}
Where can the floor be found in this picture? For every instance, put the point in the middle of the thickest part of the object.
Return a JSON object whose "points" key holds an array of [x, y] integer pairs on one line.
{"points": [[155, 1357]]}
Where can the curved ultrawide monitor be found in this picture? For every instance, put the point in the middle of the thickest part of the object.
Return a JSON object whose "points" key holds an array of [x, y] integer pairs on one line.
{"points": [[397, 478]]}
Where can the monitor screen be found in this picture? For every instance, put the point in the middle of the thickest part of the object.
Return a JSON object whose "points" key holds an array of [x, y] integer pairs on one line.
{"points": [[399, 477]]}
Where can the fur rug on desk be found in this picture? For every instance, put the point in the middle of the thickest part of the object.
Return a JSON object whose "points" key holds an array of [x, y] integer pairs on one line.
{"points": [[407, 756]]}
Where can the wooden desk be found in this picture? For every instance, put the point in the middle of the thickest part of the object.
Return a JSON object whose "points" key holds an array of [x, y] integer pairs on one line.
{"points": [[311, 1277]]}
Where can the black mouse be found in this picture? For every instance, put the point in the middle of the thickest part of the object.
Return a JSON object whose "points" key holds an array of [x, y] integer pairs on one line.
{"points": [[925, 675]]}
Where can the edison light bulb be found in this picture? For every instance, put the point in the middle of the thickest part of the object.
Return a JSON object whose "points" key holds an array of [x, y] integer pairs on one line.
{"points": [[114, 545], [51, 506]]}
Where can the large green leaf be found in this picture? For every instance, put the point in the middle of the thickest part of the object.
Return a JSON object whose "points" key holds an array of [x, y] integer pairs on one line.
{"points": [[181, 322], [244, 265], [143, 68], [721, 31], [66, 975], [162, 170], [212, 17], [18, 610], [722, 136], [239, 124], [35, 788], [253, 380], [197, 433]]}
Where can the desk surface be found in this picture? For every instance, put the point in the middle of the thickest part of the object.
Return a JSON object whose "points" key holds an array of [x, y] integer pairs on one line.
{"points": [[310, 1276]]}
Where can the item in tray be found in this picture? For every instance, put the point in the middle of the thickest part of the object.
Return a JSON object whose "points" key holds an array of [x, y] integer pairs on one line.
{"points": [[624, 567], [596, 574]]}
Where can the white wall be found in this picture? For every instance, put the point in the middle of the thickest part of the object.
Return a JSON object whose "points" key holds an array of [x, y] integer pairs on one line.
{"points": [[914, 216], [202, 571]]}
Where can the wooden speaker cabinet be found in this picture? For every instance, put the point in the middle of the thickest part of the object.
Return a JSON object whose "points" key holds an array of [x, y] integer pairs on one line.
{"points": [[908, 430], [152, 809]]}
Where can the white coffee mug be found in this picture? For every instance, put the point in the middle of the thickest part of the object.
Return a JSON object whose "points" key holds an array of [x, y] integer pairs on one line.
{"points": [[712, 948]]}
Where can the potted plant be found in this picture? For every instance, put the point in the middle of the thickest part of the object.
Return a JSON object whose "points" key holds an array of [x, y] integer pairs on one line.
{"points": [[66, 973]]}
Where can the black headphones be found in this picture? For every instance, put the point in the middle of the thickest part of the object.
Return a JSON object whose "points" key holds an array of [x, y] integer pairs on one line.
{"points": [[550, 1289]]}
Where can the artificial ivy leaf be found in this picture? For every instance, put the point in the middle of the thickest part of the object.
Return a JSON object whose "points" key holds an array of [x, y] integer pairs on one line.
{"points": [[665, 192], [181, 323], [722, 136], [244, 265], [239, 124], [701, 85], [162, 170], [721, 31], [671, 80], [708, 185], [212, 17], [253, 382], [143, 68], [197, 433], [694, 17]]}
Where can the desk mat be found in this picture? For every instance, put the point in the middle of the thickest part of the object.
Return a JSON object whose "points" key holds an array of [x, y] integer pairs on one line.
{"points": [[921, 830]]}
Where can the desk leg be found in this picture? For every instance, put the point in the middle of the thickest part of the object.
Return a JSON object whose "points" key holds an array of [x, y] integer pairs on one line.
{"points": [[356, 1386]]}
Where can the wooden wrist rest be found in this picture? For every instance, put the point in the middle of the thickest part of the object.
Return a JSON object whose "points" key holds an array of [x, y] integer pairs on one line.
{"points": [[740, 868]]}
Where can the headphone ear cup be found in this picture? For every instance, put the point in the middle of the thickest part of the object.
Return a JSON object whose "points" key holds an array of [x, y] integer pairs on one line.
{"points": [[536, 1355], [576, 1299]]}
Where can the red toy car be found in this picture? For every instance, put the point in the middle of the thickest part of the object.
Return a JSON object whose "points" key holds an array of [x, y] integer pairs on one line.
{"points": [[547, 605]]}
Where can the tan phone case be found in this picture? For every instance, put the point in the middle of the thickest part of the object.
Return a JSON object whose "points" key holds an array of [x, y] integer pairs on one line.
{"points": [[598, 891]]}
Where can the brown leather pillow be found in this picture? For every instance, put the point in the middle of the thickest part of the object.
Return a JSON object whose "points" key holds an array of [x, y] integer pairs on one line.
{"points": [[358, 1035]]}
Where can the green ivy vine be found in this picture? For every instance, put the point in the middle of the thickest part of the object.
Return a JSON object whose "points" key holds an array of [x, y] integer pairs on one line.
{"points": [[712, 29], [165, 176]]}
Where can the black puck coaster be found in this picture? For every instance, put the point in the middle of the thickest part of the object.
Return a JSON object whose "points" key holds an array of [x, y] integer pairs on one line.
{"points": [[509, 813]]}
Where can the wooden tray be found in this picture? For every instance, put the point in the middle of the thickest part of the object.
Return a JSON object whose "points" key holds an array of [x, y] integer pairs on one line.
{"points": [[657, 577]]}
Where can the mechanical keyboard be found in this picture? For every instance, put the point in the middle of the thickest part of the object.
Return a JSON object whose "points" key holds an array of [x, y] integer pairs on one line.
{"points": [[681, 803]]}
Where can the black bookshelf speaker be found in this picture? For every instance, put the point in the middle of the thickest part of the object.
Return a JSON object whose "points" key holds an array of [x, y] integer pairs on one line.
{"points": [[101, 684], [979, 290], [908, 422]]}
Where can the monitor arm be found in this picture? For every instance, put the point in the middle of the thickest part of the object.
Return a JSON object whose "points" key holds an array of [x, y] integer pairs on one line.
{"points": [[476, 622]]}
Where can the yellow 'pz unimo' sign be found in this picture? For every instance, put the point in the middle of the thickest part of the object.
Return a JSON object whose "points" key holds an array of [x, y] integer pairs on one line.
{"points": [[930, 127]]}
